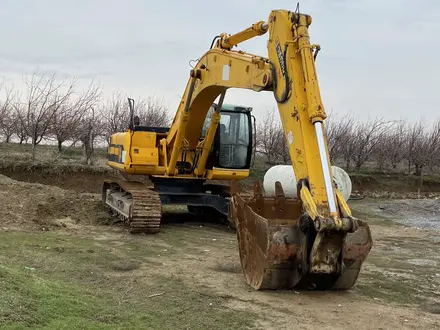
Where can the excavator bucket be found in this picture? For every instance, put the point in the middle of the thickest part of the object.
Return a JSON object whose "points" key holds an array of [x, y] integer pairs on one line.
{"points": [[275, 240]]}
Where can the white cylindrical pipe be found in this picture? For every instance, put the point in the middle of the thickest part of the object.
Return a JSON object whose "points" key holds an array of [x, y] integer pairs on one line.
{"points": [[286, 175]]}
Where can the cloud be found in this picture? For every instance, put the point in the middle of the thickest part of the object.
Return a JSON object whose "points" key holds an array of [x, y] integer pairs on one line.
{"points": [[378, 58]]}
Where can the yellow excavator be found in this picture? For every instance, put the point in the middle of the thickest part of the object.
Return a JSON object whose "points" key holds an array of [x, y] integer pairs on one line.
{"points": [[312, 241]]}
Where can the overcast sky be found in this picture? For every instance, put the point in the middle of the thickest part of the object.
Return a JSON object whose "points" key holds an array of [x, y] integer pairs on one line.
{"points": [[378, 57]]}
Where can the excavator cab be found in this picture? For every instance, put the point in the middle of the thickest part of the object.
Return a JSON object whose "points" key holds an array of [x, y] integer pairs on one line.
{"points": [[232, 147]]}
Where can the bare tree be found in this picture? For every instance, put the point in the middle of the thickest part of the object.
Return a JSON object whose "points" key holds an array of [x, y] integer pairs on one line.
{"points": [[339, 137], [368, 135], [392, 148], [423, 146], [415, 137], [269, 132], [397, 143], [116, 113], [90, 130], [381, 153], [152, 112], [347, 146], [420, 145], [67, 120], [8, 117], [434, 143], [44, 99], [19, 129]]}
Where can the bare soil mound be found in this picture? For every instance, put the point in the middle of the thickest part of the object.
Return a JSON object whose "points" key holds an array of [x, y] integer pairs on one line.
{"points": [[80, 178], [44, 207]]}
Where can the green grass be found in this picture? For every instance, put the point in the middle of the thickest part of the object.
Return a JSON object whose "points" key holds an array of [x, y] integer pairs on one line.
{"points": [[45, 153], [54, 281]]}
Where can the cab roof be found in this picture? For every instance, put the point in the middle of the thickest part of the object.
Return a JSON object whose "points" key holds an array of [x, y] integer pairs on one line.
{"points": [[236, 107]]}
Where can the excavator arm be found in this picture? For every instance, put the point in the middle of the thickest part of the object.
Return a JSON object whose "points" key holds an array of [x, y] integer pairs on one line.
{"points": [[315, 240]]}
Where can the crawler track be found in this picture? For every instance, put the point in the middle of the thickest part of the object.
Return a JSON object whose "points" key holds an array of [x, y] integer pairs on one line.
{"points": [[134, 203]]}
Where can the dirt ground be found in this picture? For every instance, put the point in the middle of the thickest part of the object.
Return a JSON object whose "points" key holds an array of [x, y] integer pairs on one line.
{"points": [[399, 286]]}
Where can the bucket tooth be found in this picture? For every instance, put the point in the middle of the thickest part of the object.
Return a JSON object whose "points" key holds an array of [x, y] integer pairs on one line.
{"points": [[279, 192], [280, 198]]}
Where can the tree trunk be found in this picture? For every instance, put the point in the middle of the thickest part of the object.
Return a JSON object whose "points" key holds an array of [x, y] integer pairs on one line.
{"points": [[88, 153], [419, 170], [380, 165], [60, 145], [34, 147], [357, 167], [88, 146]]}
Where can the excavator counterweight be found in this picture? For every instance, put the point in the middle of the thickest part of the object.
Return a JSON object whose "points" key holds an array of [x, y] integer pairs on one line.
{"points": [[310, 240]]}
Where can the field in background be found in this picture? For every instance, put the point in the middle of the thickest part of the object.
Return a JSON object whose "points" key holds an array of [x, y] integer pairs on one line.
{"points": [[68, 167]]}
